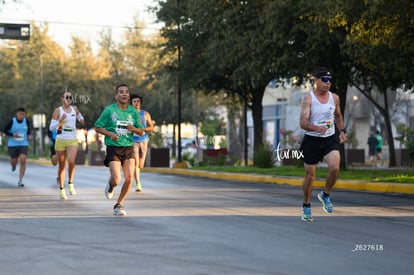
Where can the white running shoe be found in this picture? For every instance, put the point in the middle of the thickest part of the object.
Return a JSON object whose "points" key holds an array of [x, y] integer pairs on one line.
{"points": [[63, 194], [71, 188], [138, 187], [119, 210], [109, 190]]}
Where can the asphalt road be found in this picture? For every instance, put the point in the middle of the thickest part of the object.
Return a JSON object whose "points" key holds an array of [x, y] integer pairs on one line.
{"points": [[192, 225]]}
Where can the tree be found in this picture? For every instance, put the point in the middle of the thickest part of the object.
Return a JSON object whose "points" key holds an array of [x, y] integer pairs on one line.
{"points": [[380, 48], [239, 46], [213, 63], [34, 70]]}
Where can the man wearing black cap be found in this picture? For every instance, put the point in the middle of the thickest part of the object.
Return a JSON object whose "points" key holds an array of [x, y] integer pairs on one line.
{"points": [[320, 112]]}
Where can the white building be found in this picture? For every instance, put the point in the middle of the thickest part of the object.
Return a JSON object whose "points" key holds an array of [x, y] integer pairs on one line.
{"points": [[281, 113]]}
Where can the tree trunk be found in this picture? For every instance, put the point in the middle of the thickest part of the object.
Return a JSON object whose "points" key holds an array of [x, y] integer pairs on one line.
{"points": [[342, 91], [390, 137], [235, 144], [257, 112], [387, 119]]}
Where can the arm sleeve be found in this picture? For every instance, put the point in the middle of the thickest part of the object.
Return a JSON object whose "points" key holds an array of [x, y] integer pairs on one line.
{"points": [[53, 124], [80, 117], [8, 127]]}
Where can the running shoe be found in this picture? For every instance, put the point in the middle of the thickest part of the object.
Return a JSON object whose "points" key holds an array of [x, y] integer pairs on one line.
{"points": [[119, 210], [326, 202], [63, 194], [109, 190], [20, 183], [71, 188], [138, 187], [13, 168], [306, 214]]}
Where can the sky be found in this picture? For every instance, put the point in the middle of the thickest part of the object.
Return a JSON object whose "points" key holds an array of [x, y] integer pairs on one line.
{"points": [[82, 18]]}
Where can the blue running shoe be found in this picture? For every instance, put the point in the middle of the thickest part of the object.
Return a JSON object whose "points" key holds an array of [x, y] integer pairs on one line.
{"points": [[306, 214], [326, 202]]}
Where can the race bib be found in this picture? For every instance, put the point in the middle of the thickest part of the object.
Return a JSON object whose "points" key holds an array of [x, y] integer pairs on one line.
{"points": [[20, 137], [122, 127], [327, 123], [68, 131]]}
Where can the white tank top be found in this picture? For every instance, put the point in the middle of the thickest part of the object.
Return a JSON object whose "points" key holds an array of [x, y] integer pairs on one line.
{"points": [[67, 128], [322, 115]]}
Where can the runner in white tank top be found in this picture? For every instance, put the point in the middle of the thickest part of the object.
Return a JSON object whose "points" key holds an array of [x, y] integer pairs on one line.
{"points": [[66, 144], [67, 128], [320, 112]]}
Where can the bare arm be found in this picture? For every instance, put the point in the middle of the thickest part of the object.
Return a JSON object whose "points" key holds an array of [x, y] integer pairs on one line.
{"points": [[56, 114], [79, 116], [305, 113], [137, 131], [150, 124], [105, 132]]}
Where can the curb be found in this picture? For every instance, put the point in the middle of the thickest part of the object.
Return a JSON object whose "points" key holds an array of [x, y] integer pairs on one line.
{"points": [[384, 187], [381, 187]]}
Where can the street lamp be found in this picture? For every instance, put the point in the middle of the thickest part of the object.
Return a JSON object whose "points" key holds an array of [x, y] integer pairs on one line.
{"points": [[179, 163]]}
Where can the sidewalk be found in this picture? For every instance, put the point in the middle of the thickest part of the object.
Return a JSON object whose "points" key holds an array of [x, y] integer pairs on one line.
{"points": [[384, 187]]}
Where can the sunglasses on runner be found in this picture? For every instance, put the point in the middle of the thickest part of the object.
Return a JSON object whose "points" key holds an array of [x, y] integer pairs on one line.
{"points": [[326, 79]]}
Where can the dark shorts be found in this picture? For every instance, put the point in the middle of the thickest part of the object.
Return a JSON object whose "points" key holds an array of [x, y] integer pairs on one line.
{"points": [[379, 150], [121, 154], [52, 150], [15, 151], [372, 152], [315, 148]]}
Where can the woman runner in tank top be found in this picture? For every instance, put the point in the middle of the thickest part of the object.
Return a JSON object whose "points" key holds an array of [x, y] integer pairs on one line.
{"points": [[66, 144]]}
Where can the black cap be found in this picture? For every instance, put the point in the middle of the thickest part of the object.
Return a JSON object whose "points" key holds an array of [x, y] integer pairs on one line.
{"points": [[323, 71]]}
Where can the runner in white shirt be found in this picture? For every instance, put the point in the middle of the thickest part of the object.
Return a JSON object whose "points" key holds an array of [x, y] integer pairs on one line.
{"points": [[319, 114], [66, 145]]}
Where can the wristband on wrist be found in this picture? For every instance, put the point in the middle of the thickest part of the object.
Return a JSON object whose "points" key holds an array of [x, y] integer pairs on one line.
{"points": [[343, 130]]}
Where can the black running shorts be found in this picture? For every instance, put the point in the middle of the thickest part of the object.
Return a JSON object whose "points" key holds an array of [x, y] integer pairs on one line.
{"points": [[16, 151], [315, 148]]}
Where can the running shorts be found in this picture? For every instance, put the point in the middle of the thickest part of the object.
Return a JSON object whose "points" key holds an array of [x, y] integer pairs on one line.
{"points": [[316, 148], [114, 153]]}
